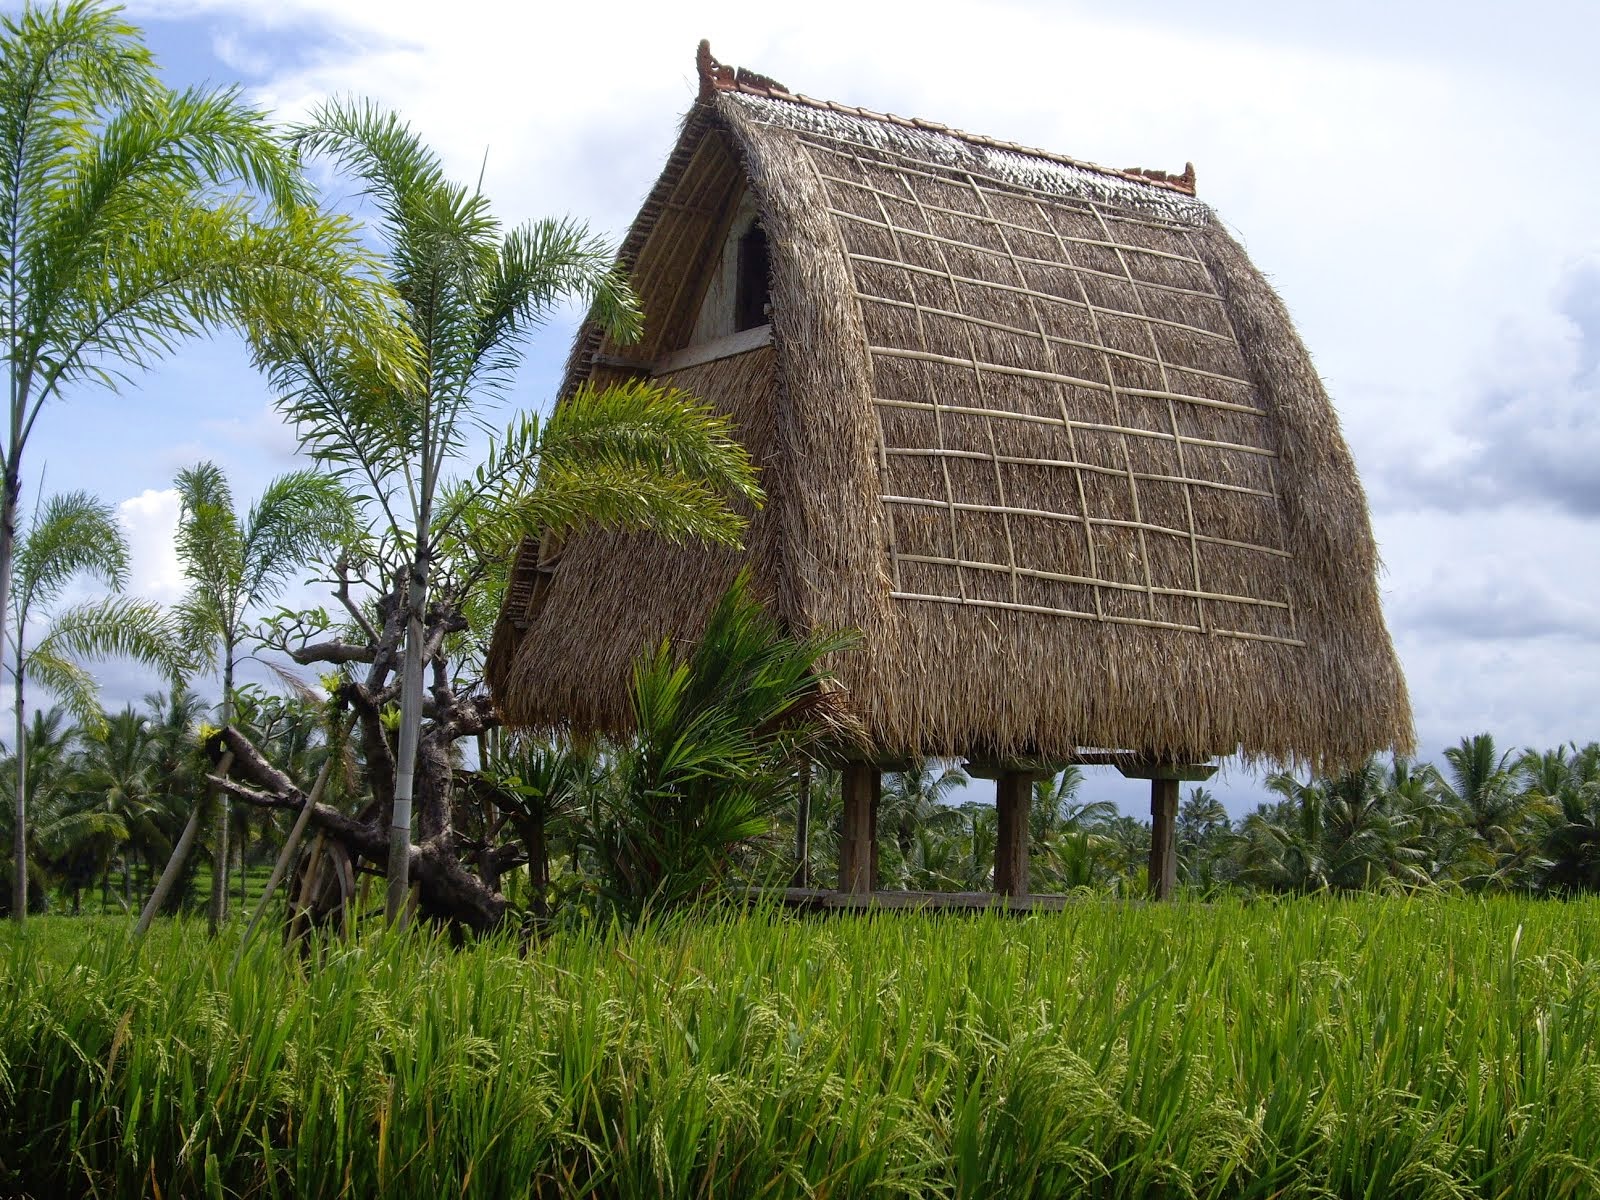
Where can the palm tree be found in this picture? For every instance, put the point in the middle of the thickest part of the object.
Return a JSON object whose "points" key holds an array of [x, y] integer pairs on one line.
{"points": [[234, 565], [1435, 836], [981, 835], [537, 784], [1365, 836], [72, 536], [1564, 785], [174, 719], [633, 455], [1203, 833], [914, 799], [131, 217], [1067, 834], [1481, 787], [118, 779], [720, 729], [54, 829]]}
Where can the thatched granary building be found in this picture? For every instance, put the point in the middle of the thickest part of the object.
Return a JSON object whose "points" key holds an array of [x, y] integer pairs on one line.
{"points": [[1038, 429]]}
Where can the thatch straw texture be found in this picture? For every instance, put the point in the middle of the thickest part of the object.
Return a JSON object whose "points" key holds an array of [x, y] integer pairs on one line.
{"points": [[1041, 433]]}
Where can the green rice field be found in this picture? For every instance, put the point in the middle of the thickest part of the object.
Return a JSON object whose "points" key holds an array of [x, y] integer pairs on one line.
{"points": [[1375, 1047]]}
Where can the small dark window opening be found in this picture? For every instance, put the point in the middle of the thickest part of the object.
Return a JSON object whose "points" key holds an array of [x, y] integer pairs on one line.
{"points": [[750, 292]]}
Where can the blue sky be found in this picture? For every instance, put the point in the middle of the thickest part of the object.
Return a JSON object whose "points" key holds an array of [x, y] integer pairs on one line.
{"points": [[1416, 178]]}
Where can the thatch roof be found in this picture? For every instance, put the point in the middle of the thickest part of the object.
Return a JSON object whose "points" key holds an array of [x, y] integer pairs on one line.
{"points": [[1038, 429]]}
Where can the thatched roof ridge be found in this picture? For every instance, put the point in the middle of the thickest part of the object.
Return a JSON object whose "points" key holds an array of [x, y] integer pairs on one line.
{"points": [[1038, 430], [719, 77]]}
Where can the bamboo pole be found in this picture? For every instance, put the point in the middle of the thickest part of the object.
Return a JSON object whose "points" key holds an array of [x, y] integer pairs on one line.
{"points": [[280, 868], [180, 854]]}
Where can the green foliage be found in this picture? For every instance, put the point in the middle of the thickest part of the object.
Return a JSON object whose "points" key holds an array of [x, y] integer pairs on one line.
{"points": [[1225, 1051], [131, 215], [112, 627], [234, 565], [720, 730]]}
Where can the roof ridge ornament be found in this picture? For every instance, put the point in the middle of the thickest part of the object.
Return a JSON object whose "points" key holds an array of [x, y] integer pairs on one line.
{"points": [[720, 77]]}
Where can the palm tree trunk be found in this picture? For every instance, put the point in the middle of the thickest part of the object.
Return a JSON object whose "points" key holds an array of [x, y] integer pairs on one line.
{"points": [[21, 382], [219, 861], [802, 829], [399, 866], [19, 887]]}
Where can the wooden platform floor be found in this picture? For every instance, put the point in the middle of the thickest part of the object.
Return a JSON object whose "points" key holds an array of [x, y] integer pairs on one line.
{"points": [[826, 899]]}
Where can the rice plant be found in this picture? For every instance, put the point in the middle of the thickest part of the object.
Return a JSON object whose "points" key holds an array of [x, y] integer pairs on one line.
{"points": [[1424, 1047]]}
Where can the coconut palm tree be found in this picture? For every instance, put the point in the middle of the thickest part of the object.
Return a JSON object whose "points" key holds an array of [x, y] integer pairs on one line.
{"points": [[1203, 834], [1564, 785], [913, 799], [1365, 836], [1066, 833], [174, 719], [70, 537], [1481, 786], [634, 455], [119, 778], [54, 830], [132, 216], [235, 565]]}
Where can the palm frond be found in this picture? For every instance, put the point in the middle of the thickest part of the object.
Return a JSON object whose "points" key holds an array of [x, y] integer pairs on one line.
{"points": [[72, 533], [298, 516], [67, 680], [119, 627]]}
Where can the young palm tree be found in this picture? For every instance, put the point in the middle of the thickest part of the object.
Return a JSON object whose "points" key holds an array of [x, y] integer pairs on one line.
{"points": [[720, 730], [72, 536], [469, 293], [234, 566]]}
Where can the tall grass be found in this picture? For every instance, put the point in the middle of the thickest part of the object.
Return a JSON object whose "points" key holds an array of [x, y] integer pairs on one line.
{"points": [[1371, 1047]]}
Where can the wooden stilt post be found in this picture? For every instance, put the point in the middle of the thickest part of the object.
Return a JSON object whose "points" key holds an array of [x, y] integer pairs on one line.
{"points": [[1164, 778], [1013, 796], [1163, 838], [858, 837]]}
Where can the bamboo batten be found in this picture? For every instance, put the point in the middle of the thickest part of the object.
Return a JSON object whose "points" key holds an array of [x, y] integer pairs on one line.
{"points": [[1038, 430]]}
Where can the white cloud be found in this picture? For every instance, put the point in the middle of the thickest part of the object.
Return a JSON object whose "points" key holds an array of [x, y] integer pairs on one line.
{"points": [[264, 431], [150, 521]]}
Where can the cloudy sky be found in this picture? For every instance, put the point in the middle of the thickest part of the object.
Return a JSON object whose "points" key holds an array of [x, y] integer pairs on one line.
{"points": [[1417, 178]]}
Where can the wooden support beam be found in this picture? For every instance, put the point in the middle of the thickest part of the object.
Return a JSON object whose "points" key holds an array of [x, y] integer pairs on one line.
{"points": [[858, 857], [1163, 838], [1013, 796]]}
